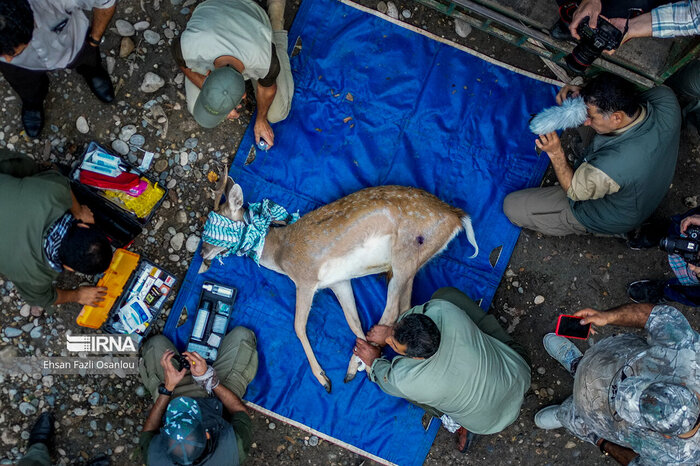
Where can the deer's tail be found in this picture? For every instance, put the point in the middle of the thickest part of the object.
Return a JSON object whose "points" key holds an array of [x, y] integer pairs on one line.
{"points": [[469, 230]]}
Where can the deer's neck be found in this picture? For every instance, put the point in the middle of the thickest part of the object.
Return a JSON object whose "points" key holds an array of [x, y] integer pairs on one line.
{"points": [[273, 240]]}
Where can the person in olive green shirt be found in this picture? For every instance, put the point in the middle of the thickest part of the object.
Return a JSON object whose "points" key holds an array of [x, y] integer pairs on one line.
{"points": [[455, 361], [45, 231]]}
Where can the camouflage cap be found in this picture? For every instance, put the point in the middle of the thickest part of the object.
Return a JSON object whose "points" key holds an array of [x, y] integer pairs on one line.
{"points": [[183, 429], [667, 408]]}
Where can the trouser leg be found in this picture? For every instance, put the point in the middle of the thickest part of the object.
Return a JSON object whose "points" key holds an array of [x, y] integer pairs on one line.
{"points": [[574, 423], [282, 103], [152, 374], [37, 455], [191, 94], [32, 86], [684, 294], [487, 323], [237, 360], [546, 210], [686, 84]]}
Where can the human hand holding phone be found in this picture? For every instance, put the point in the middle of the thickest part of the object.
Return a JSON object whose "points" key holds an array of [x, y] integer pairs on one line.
{"points": [[571, 327]]}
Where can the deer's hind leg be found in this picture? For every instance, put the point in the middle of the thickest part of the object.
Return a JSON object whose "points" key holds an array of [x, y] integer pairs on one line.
{"points": [[346, 298]]}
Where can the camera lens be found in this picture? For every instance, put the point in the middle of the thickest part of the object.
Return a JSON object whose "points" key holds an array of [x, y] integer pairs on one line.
{"points": [[580, 58]]}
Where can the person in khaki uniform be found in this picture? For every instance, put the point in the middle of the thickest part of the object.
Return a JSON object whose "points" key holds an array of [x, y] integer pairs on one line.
{"points": [[186, 423], [225, 43], [624, 173]]}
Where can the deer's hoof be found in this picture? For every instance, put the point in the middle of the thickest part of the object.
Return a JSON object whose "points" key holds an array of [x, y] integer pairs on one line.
{"points": [[349, 377], [326, 383]]}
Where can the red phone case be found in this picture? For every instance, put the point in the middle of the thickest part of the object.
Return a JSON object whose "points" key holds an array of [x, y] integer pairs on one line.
{"points": [[556, 332]]}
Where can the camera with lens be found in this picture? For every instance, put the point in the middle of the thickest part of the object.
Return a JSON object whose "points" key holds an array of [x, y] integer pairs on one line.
{"points": [[592, 43], [688, 248], [182, 362]]}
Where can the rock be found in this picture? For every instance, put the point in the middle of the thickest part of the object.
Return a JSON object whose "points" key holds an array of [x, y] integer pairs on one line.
{"points": [[151, 82], [124, 28], [27, 409], [539, 299], [181, 216], [80, 412], [392, 11], [191, 143], [161, 165], [137, 140], [140, 391], [271, 426], [184, 158], [36, 332], [24, 312], [381, 7], [111, 62], [174, 258], [120, 147], [569, 445], [406, 13], [12, 332], [82, 125], [462, 28], [313, 441], [541, 370], [141, 25], [691, 202], [151, 37], [126, 132], [192, 243], [176, 241], [94, 399], [126, 47]]}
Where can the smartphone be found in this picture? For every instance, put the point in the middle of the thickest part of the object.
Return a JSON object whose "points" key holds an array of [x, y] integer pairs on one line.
{"points": [[570, 327]]}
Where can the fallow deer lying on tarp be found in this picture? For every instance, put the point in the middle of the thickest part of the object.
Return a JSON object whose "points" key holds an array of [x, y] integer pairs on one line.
{"points": [[393, 229]]}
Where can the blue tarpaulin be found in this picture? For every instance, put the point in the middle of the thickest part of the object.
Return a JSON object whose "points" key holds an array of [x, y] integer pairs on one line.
{"points": [[374, 104]]}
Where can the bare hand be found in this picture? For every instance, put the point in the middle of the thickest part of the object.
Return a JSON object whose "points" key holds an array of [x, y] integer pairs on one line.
{"points": [[587, 9], [566, 92], [235, 113], [378, 334], [591, 316], [263, 130], [91, 295], [85, 215], [692, 220], [198, 365], [695, 269], [366, 351], [550, 144], [172, 375]]}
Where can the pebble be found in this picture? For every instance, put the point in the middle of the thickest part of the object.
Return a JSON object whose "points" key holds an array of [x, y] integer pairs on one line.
{"points": [[120, 147], [192, 157], [80, 412], [82, 125], [392, 11], [191, 143], [35, 333], [539, 299], [126, 47], [151, 82], [462, 28], [174, 258], [541, 370], [184, 158], [94, 398], [137, 140], [141, 25], [181, 216], [124, 28], [161, 165], [27, 409], [176, 241], [313, 441], [168, 33], [271, 426], [140, 391], [569, 445], [12, 332], [24, 312], [192, 243], [406, 13], [381, 7], [111, 62], [151, 37], [126, 132]]}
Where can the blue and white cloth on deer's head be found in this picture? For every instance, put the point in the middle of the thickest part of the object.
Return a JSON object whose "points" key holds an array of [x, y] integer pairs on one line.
{"points": [[245, 238]]}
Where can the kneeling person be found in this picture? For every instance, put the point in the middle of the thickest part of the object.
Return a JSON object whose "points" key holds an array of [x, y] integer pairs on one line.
{"points": [[187, 425], [455, 361]]}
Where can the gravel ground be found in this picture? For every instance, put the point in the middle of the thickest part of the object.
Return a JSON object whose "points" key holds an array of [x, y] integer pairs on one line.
{"points": [[104, 414]]}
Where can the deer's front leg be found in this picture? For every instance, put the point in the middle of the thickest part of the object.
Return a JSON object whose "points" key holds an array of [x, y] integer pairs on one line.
{"points": [[346, 298], [305, 297]]}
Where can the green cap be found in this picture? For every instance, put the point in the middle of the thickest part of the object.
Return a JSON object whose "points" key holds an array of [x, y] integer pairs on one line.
{"points": [[222, 92]]}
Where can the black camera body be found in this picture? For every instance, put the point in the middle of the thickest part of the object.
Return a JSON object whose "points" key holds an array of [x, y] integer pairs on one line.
{"points": [[182, 361], [688, 248], [593, 42]]}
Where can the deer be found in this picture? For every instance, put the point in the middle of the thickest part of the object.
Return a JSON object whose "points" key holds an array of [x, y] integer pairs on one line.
{"points": [[384, 229]]}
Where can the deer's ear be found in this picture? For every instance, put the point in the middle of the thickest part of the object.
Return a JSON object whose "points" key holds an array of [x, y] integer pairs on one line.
{"points": [[235, 197]]}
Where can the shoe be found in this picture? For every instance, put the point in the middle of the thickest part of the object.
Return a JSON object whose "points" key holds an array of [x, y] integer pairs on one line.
{"points": [[33, 121], [546, 418], [647, 291], [469, 439], [100, 84], [648, 236], [563, 351], [43, 430], [561, 31]]}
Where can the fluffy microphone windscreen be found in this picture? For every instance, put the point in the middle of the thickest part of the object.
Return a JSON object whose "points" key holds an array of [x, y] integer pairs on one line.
{"points": [[570, 114]]}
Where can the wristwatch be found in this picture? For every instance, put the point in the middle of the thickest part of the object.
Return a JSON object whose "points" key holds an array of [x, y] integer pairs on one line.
{"points": [[92, 41], [164, 391]]}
